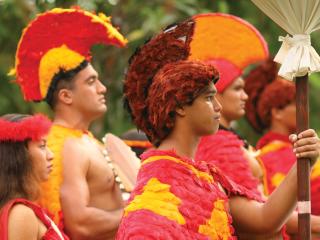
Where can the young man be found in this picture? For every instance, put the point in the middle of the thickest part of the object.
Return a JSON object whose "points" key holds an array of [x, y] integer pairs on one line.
{"points": [[82, 192], [174, 102]]}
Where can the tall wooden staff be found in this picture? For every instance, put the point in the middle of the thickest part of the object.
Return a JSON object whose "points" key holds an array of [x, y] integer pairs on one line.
{"points": [[298, 58]]}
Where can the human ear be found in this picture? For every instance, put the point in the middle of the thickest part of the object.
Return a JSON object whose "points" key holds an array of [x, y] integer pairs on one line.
{"points": [[276, 113], [65, 96], [181, 111]]}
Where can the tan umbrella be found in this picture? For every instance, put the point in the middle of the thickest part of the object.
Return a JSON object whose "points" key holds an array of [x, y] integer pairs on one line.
{"points": [[298, 59]]}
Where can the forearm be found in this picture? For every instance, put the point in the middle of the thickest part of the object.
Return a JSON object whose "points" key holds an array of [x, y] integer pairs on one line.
{"points": [[92, 223], [292, 224], [270, 216], [282, 201]]}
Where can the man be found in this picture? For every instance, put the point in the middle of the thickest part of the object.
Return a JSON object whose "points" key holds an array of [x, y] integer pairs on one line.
{"points": [[174, 103], [82, 183]]}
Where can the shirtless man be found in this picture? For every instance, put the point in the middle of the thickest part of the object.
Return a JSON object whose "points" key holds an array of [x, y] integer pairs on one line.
{"points": [[81, 193], [90, 198]]}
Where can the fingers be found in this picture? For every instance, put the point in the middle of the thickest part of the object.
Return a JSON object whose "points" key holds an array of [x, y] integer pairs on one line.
{"points": [[310, 133], [307, 133], [293, 137], [306, 144], [309, 154]]}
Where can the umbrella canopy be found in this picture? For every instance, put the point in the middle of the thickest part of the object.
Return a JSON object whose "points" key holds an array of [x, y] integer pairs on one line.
{"points": [[299, 18]]}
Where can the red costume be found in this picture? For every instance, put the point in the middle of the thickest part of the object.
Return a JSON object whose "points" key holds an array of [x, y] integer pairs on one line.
{"points": [[277, 155], [225, 150], [176, 198], [230, 57], [52, 232]]}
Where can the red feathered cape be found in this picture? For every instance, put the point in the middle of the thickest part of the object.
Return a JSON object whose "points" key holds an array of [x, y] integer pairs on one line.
{"points": [[176, 198], [224, 150]]}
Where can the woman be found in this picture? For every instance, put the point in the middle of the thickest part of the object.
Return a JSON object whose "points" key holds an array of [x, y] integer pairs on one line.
{"points": [[25, 162], [271, 109]]}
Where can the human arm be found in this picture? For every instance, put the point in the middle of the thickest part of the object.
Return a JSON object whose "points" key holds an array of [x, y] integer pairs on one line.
{"points": [[23, 224], [292, 224], [83, 221], [270, 216]]}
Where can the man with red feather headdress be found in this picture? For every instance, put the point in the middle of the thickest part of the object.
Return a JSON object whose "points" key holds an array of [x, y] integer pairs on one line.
{"points": [[171, 96], [227, 149], [52, 64]]}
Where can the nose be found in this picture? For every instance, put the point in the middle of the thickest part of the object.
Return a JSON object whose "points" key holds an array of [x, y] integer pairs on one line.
{"points": [[101, 88], [244, 95], [50, 154], [217, 105]]}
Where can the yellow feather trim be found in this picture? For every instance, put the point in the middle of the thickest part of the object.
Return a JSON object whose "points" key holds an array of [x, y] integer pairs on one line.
{"points": [[277, 179], [156, 197], [50, 190], [202, 175], [315, 170], [51, 64], [217, 227]]}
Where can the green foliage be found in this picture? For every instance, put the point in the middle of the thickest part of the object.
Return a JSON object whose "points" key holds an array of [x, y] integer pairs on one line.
{"points": [[138, 20]]}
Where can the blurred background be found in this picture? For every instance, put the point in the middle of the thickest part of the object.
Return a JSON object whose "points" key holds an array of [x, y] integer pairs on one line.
{"points": [[138, 20]]}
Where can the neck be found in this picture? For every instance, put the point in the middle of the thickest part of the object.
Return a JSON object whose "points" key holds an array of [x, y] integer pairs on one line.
{"points": [[71, 119], [183, 142], [225, 122], [279, 128]]}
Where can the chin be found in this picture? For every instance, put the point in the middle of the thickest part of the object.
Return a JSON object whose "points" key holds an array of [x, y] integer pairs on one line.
{"points": [[211, 131], [102, 110]]}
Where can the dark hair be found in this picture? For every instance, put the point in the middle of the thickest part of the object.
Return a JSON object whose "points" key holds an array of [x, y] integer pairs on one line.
{"points": [[62, 80], [266, 90], [16, 169], [138, 136]]}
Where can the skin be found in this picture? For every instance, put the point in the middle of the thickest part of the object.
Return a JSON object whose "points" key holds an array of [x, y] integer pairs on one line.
{"points": [[91, 200], [19, 228], [233, 100], [184, 138], [41, 156], [283, 120], [33, 228]]}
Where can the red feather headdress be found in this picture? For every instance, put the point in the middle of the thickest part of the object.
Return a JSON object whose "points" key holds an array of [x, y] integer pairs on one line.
{"points": [[59, 39], [227, 42], [33, 128]]}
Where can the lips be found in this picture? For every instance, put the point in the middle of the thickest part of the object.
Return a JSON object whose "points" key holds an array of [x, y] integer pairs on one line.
{"points": [[50, 168]]}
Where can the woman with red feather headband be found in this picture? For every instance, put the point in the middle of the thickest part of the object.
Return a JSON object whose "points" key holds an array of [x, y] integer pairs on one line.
{"points": [[271, 108], [25, 162], [172, 98]]}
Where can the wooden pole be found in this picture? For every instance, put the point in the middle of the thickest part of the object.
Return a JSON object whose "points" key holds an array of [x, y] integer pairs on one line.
{"points": [[304, 205]]}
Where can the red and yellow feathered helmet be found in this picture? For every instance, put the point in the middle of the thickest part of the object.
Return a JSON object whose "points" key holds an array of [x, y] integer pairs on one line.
{"points": [[229, 43], [59, 39]]}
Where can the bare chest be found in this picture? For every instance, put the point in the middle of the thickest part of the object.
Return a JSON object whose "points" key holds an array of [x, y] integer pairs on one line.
{"points": [[100, 176]]}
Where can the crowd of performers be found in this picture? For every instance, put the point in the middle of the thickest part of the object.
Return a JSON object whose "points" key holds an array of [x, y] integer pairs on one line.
{"points": [[195, 177]]}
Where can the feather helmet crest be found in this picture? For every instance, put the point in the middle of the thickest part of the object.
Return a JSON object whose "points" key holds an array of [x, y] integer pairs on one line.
{"points": [[229, 43], [59, 39]]}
